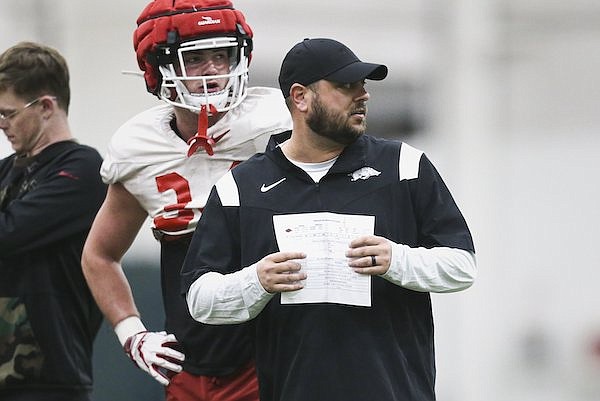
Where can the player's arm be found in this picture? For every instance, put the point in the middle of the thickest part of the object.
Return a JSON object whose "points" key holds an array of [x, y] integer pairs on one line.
{"points": [[113, 231]]}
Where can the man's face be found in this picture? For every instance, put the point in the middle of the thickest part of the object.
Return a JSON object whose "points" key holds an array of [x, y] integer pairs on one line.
{"points": [[207, 62], [338, 111], [23, 127]]}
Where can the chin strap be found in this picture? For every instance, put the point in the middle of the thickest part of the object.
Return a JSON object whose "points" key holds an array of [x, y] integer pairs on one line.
{"points": [[201, 139]]}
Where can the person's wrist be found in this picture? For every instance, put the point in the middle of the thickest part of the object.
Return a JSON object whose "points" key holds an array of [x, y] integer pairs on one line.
{"points": [[127, 328], [127, 345]]}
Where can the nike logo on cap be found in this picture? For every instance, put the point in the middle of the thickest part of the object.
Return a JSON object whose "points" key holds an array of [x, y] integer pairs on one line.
{"points": [[265, 188]]}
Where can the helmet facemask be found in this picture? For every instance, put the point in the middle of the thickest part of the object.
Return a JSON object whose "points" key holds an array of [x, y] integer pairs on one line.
{"points": [[222, 86]]}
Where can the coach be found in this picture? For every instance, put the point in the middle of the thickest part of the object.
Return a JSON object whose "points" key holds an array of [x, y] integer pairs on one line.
{"points": [[318, 347]]}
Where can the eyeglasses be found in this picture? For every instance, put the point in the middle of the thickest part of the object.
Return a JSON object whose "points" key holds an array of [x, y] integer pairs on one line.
{"points": [[11, 114]]}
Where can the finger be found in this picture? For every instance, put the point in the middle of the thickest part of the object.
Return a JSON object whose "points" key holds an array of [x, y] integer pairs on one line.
{"points": [[163, 363], [371, 271], [280, 257], [159, 377], [364, 261], [365, 241], [286, 267], [293, 278], [170, 348], [286, 278], [287, 287], [172, 353], [362, 251], [290, 267], [284, 282]]}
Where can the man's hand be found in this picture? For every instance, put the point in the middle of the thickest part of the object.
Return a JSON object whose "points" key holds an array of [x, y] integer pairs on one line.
{"points": [[370, 255], [278, 272], [151, 351]]}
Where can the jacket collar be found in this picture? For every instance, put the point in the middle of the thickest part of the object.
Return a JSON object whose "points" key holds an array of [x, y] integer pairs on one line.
{"points": [[353, 157]]}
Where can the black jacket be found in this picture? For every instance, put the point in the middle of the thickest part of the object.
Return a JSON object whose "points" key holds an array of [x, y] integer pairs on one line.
{"points": [[328, 351]]}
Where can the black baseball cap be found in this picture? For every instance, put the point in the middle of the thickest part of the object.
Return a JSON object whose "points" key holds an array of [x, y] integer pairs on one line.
{"points": [[314, 59]]}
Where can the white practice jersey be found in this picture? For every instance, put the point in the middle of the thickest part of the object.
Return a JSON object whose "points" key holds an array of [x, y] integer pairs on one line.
{"points": [[151, 161]]}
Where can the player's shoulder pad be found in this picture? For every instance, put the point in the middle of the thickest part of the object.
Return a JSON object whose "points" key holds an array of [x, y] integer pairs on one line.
{"points": [[140, 131]]}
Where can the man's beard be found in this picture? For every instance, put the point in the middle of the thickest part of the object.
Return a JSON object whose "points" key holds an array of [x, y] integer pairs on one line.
{"points": [[332, 125]]}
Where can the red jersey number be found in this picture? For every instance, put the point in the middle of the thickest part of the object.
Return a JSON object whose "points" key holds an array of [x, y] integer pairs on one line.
{"points": [[180, 221], [180, 185]]}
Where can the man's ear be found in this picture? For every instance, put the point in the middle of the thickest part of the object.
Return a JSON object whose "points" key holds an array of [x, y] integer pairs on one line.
{"points": [[300, 96], [49, 106]]}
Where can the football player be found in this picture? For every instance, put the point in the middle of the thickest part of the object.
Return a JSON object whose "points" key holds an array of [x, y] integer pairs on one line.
{"points": [[162, 163]]}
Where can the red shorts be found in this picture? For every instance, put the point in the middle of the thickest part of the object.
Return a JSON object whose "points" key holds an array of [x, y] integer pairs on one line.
{"points": [[240, 386]]}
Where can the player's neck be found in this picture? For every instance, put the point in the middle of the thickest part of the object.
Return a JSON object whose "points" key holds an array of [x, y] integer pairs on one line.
{"points": [[185, 123]]}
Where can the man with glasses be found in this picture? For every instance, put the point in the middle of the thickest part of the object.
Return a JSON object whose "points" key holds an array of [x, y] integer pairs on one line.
{"points": [[50, 191]]}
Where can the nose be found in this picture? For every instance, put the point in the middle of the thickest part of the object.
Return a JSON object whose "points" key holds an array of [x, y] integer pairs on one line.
{"points": [[210, 68], [214, 65], [207, 69], [363, 94]]}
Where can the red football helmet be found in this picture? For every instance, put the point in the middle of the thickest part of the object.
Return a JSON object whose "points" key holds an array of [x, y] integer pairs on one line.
{"points": [[172, 32]]}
